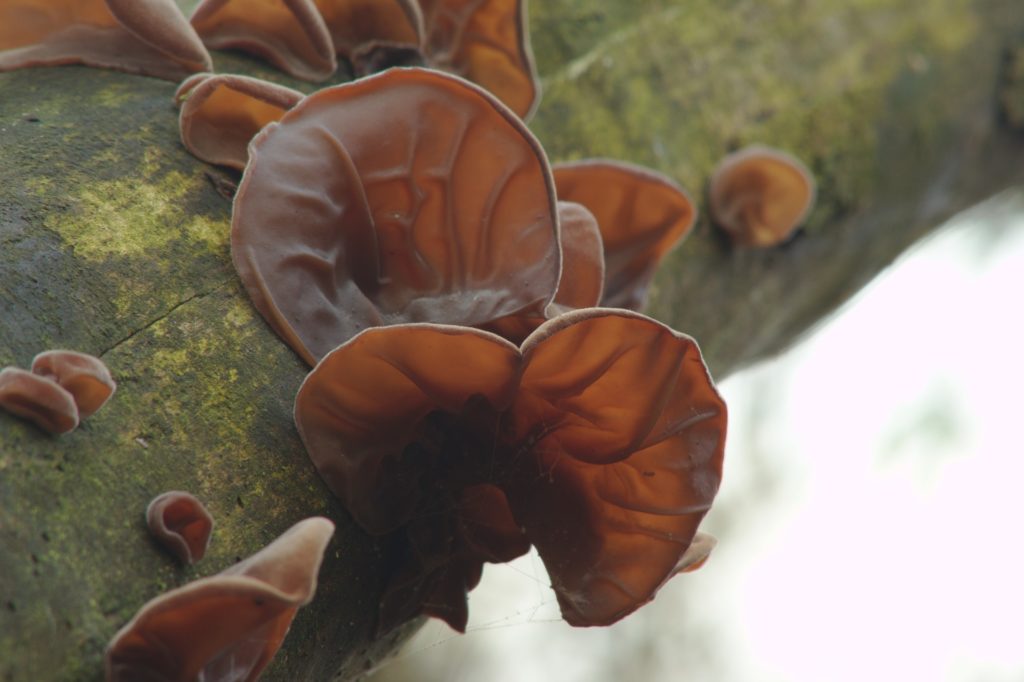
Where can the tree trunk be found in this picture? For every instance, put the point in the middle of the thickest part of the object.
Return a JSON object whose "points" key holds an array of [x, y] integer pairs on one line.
{"points": [[114, 241]]}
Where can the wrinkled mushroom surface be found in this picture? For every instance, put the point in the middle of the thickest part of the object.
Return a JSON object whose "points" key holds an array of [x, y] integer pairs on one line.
{"points": [[82, 375], [641, 214], [603, 432], [408, 196], [181, 524], [225, 628], [760, 195], [220, 114], [487, 42], [290, 34], [357, 23], [37, 399], [149, 37]]}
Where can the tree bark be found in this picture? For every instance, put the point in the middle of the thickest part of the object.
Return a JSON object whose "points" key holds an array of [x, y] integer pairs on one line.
{"points": [[114, 241]]}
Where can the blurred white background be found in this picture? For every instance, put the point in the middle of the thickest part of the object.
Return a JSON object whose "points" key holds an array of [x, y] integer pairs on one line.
{"points": [[869, 520]]}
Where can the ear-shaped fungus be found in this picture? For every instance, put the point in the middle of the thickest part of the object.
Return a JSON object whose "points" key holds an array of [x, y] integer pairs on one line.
{"points": [[407, 196], [225, 628], [359, 24], [84, 376], [487, 42], [220, 114], [642, 215], [149, 37], [599, 441], [180, 523], [759, 195], [38, 399], [290, 34]]}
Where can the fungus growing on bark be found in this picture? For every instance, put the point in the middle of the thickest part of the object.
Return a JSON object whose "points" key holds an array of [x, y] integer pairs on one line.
{"points": [[290, 34], [599, 441], [227, 627], [38, 399], [759, 196], [407, 196], [641, 214], [181, 524], [220, 114], [487, 42], [84, 376], [149, 37]]}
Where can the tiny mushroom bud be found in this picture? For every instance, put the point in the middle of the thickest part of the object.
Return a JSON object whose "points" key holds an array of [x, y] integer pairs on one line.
{"points": [[180, 523], [487, 42], [84, 376], [290, 34], [407, 196], [149, 37], [641, 214], [38, 399], [227, 627], [759, 196], [221, 114]]}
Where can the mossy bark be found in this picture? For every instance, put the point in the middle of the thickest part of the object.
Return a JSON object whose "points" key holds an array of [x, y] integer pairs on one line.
{"points": [[114, 241]]}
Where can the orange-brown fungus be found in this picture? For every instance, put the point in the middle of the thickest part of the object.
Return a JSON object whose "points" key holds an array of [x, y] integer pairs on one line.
{"points": [[149, 37], [641, 214], [220, 114], [759, 196], [354, 24], [84, 376], [599, 441], [181, 524], [38, 399], [225, 628], [290, 34], [487, 42], [407, 196]]}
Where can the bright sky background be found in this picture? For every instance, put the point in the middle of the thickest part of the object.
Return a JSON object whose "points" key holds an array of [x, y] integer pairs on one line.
{"points": [[870, 514]]}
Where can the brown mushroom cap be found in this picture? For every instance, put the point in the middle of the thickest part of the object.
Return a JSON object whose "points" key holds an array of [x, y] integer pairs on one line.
{"points": [[180, 523], [38, 399], [290, 34], [221, 114], [641, 214], [84, 376], [487, 42], [407, 196], [760, 195], [355, 23], [150, 37], [225, 628]]}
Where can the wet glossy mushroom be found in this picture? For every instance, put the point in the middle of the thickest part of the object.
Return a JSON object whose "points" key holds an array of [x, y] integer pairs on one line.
{"points": [[603, 432], [82, 375], [407, 196], [290, 34], [355, 25], [38, 399], [220, 114], [487, 42], [149, 37], [642, 215], [760, 195], [225, 628], [181, 524]]}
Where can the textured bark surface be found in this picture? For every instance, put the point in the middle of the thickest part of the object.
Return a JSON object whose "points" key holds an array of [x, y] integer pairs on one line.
{"points": [[113, 241]]}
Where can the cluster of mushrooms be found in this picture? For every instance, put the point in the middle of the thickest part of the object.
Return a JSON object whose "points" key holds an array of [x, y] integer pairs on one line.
{"points": [[482, 381]]}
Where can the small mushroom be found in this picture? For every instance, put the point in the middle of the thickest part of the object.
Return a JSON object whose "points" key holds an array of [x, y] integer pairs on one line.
{"points": [[149, 37], [38, 399], [487, 42], [221, 114], [290, 34], [84, 376], [641, 214], [603, 432], [760, 195], [407, 196], [180, 523], [355, 25], [225, 628]]}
